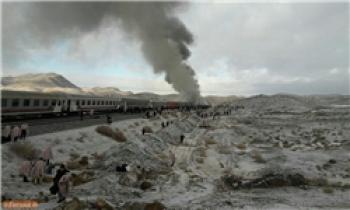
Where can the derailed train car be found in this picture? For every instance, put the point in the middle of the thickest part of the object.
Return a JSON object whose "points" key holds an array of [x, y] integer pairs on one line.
{"points": [[17, 104]]}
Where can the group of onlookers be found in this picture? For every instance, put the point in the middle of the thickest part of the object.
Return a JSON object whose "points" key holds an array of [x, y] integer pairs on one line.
{"points": [[40, 167], [14, 133]]}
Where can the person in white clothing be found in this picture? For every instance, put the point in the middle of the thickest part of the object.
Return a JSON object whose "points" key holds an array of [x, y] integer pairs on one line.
{"points": [[6, 134]]}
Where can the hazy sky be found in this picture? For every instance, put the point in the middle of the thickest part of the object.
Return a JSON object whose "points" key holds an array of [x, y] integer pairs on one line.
{"points": [[239, 48]]}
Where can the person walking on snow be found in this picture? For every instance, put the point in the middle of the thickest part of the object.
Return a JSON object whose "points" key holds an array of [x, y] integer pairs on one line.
{"points": [[46, 154], [63, 187], [38, 171], [54, 189], [6, 134], [24, 131], [15, 132], [25, 170], [172, 158]]}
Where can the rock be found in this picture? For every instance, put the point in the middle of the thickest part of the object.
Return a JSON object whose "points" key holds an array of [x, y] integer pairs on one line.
{"points": [[145, 185], [84, 161], [83, 177], [328, 190], [74, 204], [332, 161], [154, 206], [296, 180], [72, 165], [103, 205], [232, 181], [147, 129], [47, 179], [133, 206]]}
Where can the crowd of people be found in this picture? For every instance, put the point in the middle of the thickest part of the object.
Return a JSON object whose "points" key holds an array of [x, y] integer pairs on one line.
{"points": [[36, 169], [14, 133]]}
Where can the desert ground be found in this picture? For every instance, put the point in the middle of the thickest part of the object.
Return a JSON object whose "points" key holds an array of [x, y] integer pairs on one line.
{"points": [[269, 155]]}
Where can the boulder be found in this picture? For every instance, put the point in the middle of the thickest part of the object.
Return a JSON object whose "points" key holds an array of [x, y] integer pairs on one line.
{"points": [[74, 204], [103, 205], [145, 185], [154, 206]]}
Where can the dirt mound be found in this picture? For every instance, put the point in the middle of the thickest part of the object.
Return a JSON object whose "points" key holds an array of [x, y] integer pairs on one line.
{"points": [[147, 129], [26, 151], [266, 181], [117, 135]]}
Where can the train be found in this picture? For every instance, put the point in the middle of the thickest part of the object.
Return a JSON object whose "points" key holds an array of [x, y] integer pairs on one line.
{"points": [[18, 104]]}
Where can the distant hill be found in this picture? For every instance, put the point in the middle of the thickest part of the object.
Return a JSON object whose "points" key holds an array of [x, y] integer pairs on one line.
{"points": [[50, 82], [56, 83], [107, 91], [289, 102], [216, 100]]}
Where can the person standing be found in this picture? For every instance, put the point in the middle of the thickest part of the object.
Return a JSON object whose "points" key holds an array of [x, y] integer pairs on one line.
{"points": [[25, 170], [109, 119], [38, 171], [46, 154], [59, 173], [6, 134], [63, 187], [24, 131], [15, 132], [172, 158], [182, 137]]}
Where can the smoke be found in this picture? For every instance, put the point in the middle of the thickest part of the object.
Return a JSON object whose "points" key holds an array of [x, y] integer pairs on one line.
{"points": [[164, 38]]}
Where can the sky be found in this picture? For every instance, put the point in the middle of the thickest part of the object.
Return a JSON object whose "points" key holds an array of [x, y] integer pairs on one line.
{"points": [[238, 49]]}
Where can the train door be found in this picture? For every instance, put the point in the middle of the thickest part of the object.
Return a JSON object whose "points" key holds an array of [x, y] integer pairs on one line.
{"points": [[72, 105], [68, 105], [125, 106], [57, 105]]}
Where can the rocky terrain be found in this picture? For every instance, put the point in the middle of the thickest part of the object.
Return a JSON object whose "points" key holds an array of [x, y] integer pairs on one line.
{"points": [[275, 154]]}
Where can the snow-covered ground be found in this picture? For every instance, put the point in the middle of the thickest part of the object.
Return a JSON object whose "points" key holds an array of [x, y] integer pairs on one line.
{"points": [[248, 144]]}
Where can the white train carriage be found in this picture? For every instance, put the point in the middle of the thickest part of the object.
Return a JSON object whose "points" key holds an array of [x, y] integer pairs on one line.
{"points": [[19, 103], [23, 103], [134, 104]]}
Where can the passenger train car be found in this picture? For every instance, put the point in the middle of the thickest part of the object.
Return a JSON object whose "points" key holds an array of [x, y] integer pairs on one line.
{"points": [[23, 103]]}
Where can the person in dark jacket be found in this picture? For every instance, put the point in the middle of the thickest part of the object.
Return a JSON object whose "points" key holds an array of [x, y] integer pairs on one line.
{"points": [[182, 137], [121, 168], [59, 173], [109, 119]]}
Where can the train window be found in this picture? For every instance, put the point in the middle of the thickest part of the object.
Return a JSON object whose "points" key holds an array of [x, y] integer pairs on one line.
{"points": [[88, 102], [26, 102], [93, 102], [106, 102], [78, 103], [63, 102], [4, 102], [98, 102], [102, 102], [46, 102], [53, 102], [83, 102], [110, 102], [15, 102], [36, 102]]}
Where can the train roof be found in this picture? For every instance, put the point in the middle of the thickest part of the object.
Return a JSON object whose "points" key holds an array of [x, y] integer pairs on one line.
{"points": [[14, 93], [57, 94]]}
